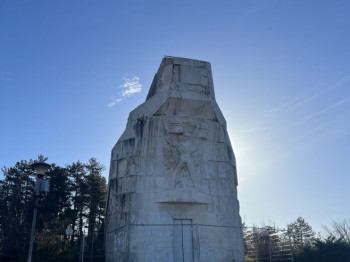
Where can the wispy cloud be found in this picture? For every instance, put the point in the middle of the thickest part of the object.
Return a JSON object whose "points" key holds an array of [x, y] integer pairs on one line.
{"points": [[247, 13], [295, 102], [339, 83], [129, 88], [282, 122], [258, 7], [253, 129], [322, 111], [291, 145]]}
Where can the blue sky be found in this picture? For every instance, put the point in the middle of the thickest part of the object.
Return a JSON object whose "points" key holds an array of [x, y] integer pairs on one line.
{"points": [[281, 73]]}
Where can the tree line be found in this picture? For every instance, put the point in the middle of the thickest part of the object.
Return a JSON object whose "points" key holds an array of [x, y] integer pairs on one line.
{"points": [[76, 200], [298, 242]]}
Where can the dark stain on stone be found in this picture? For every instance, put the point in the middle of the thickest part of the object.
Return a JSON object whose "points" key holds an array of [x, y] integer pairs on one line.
{"points": [[122, 200], [116, 186], [139, 126], [229, 153]]}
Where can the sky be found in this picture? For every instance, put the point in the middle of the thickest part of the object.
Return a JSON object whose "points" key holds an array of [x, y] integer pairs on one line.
{"points": [[71, 71]]}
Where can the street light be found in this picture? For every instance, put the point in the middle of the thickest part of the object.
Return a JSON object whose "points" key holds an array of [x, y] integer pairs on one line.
{"points": [[40, 167], [41, 188]]}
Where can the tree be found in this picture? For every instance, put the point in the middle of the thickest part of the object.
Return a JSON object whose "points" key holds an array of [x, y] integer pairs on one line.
{"points": [[77, 198], [328, 250], [339, 229], [79, 195], [17, 194], [301, 234], [97, 195], [54, 213]]}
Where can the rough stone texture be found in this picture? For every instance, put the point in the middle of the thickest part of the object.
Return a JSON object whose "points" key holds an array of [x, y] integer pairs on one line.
{"points": [[172, 185]]}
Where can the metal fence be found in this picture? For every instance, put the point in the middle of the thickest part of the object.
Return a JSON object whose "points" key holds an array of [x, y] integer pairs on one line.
{"points": [[181, 242], [92, 248]]}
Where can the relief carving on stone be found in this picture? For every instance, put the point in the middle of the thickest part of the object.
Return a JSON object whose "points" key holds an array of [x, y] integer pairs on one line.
{"points": [[183, 144]]}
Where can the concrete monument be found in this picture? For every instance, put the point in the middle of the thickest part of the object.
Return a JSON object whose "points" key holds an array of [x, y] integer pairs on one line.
{"points": [[173, 185]]}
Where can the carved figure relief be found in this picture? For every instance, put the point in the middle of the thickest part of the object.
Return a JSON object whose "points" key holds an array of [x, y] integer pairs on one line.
{"points": [[182, 151], [184, 170]]}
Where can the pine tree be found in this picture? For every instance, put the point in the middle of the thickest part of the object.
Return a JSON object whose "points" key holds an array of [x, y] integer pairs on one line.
{"points": [[97, 195], [17, 194], [301, 234], [79, 195]]}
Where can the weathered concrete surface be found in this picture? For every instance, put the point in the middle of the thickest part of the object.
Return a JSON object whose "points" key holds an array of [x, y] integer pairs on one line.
{"points": [[172, 185]]}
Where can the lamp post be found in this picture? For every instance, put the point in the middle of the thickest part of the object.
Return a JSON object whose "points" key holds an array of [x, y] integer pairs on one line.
{"points": [[41, 188]]}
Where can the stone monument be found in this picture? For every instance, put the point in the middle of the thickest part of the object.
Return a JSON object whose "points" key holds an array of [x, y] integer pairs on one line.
{"points": [[173, 185]]}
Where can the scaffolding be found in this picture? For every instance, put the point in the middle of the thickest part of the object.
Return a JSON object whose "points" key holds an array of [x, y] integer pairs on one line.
{"points": [[267, 245]]}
